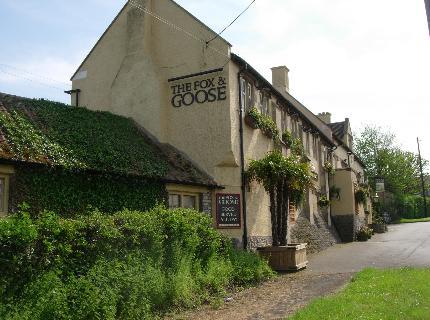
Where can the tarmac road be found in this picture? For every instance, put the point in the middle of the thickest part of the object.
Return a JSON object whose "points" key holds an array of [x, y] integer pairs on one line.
{"points": [[403, 245]]}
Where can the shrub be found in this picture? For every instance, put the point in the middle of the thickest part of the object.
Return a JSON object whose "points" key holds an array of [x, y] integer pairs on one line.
{"points": [[248, 268], [129, 265], [364, 234], [323, 202]]}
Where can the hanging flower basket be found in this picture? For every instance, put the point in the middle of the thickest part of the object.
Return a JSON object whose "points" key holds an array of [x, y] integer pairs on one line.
{"points": [[361, 196], [251, 121], [323, 202]]}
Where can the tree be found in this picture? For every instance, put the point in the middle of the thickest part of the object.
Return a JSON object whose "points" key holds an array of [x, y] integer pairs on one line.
{"points": [[382, 156], [285, 179]]}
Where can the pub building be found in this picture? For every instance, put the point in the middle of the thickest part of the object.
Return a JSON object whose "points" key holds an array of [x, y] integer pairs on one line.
{"points": [[159, 65]]}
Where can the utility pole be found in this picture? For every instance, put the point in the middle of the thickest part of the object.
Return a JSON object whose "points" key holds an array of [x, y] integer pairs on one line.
{"points": [[427, 2], [422, 178]]}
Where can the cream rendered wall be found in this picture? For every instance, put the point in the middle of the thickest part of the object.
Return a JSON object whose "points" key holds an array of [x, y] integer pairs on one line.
{"points": [[128, 69], [128, 72], [343, 179]]}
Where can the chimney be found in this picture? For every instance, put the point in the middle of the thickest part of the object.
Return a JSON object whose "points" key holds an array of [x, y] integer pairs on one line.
{"points": [[325, 117], [280, 78]]}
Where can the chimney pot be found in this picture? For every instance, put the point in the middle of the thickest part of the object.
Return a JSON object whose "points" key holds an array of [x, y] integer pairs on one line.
{"points": [[325, 117]]}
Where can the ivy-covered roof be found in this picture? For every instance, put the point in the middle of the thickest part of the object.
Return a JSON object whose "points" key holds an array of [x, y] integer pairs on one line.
{"points": [[59, 135]]}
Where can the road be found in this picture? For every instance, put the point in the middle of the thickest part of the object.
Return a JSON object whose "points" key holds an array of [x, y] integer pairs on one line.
{"points": [[404, 245], [328, 272]]}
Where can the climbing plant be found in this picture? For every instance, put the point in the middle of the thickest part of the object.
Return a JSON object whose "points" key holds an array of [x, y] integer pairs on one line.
{"points": [[60, 135], [285, 179], [71, 193], [264, 122], [79, 158]]}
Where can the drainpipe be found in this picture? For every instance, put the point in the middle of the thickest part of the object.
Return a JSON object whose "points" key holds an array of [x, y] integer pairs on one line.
{"points": [[242, 160]]}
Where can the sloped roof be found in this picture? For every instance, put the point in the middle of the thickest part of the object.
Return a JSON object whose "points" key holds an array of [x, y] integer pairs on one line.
{"points": [[292, 102], [59, 135], [338, 129]]}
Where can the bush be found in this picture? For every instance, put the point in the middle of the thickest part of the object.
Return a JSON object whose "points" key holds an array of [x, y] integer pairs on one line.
{"points": [[364, 234], [130, 265]]}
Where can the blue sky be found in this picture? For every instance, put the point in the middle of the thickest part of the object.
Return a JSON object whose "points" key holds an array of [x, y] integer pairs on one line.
{"points": [[367, 60]]}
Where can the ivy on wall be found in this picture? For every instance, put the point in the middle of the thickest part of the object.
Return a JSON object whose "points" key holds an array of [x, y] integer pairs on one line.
{"points": [[59, 135], [72, 193], [77, 158]]}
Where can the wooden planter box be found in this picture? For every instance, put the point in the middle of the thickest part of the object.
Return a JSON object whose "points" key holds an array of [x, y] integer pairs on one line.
{"points": [[250, 121], [288, 258], [379, 227]]}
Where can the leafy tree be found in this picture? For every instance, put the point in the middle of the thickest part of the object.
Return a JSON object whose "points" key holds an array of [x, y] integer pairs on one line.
{"points": [[285, 179], [382, 156]]}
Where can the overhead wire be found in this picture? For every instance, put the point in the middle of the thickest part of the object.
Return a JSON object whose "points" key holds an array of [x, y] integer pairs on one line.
{"points": [[231, 23], [30, 80], [33, 74], [176, 27], [17, 72]]}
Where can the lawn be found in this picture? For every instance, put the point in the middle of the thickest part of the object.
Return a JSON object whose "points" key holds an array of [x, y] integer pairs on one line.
{"points": [[403, 220], [376, 294]]}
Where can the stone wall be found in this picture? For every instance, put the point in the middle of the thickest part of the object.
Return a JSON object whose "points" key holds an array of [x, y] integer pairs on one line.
{"points": [[256, 242], [206, 204], [319, 236]]}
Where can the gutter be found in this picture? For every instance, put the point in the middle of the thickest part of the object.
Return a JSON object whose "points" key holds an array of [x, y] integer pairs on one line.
{"points": [[242, 160], [287, 98]]}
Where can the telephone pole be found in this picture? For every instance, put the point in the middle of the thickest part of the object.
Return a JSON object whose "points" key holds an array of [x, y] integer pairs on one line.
{"points": [[427, 2], [422, 178]]}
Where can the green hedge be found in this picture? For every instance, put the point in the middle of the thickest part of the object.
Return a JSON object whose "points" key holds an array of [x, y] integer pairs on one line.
{"points": [[72, 192], [410, 206], [129, 265]]}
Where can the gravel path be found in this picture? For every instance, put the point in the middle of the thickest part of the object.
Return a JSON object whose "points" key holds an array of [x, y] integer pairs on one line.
{"points": [[275, 299], [328, 272]]}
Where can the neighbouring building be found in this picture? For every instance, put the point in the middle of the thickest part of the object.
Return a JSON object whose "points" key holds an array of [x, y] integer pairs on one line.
{"points": [[347, 212], [62, 158], [161, 66]]}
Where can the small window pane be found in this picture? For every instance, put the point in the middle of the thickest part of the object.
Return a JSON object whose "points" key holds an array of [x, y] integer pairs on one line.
{"points": [[2, 184], [189, 202], [174, 201]]}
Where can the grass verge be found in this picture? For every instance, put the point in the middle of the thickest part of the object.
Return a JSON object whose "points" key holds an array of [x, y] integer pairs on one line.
{"points": [[403, 220], [376, 294]]}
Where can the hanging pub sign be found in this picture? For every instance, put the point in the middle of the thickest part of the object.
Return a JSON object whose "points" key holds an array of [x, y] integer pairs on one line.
{"points": [[208, 89], [379, 184], [228, 210]]}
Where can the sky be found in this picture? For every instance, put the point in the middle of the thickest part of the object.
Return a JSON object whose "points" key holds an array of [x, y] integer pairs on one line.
{"points": [[365, 60]]}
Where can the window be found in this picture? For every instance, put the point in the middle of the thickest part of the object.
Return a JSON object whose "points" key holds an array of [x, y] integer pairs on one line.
{"points": [[243, 92], [308, 144], [273, 111], [174, 201], [183, 200], [284, 126], [189, 202], [264, 103], [246, 93], [4, 194], [249, 96]]}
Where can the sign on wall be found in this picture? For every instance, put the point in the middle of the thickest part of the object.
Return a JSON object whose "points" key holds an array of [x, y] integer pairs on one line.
{"points": [[208, 90], [379, 184], [228, 213]]}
